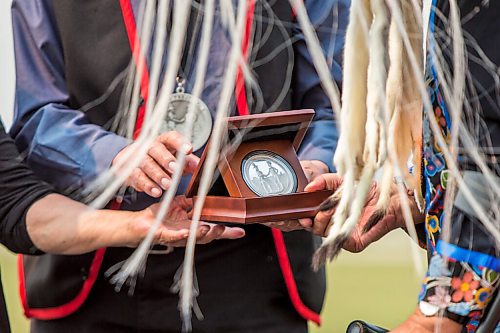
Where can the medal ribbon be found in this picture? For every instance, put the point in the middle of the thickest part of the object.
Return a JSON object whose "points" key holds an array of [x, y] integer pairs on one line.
{"points": [[241, 96], [139, 59]]}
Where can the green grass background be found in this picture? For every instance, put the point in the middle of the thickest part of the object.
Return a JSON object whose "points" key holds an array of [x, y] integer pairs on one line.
{"points": [[379, 285]]}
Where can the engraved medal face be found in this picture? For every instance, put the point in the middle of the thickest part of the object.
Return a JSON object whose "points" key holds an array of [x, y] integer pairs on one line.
{"points": [[267, 173], [176, 117]]}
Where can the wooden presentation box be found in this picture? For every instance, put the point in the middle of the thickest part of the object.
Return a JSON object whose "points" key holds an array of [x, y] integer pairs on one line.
{"points": [[259, 177]]}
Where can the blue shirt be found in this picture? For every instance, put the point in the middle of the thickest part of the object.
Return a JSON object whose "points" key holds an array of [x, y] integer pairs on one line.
{"points": [[67, 150]]}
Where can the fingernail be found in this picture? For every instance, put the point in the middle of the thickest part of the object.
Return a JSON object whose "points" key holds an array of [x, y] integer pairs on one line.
{"points": [[186, 148], [204, 230], [155, 192], [165, 182], [172, 166]]}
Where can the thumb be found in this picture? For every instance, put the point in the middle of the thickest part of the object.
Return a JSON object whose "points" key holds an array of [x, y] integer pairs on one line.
{"points": [[327, 181], [232, 233], [317, 184]]}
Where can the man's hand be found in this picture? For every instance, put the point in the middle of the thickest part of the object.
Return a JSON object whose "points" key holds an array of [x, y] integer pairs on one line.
{"points": [[359, 239], [175, 228], [312, 169], [154, 173]]}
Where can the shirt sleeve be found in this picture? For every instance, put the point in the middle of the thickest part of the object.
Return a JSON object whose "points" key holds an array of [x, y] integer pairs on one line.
{"points": [[19, 189], [60, 144], [329, 19]]}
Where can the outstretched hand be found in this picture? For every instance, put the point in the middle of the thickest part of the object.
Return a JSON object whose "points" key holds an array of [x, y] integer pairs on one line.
{"points": [[363, 234], [174, 230]]}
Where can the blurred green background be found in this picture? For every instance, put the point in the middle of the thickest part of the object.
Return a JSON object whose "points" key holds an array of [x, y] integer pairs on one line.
{"points": [[379, 285]]}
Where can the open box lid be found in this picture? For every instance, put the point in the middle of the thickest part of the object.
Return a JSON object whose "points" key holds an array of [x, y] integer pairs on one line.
{"points": [[284, 125]]}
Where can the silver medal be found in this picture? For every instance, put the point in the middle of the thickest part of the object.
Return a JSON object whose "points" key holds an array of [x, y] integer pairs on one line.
{"points": [[176, 117], [267, 173]]}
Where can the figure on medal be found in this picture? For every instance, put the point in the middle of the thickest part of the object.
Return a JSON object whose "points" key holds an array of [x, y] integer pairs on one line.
{"points": [[176, 120], [270, 182], [172, 121], [262, 182], [267, 174], [274, 176]]}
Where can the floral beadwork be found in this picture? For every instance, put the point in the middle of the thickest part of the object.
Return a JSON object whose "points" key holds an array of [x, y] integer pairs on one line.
{"points": [[450, 287], [456, 287]]}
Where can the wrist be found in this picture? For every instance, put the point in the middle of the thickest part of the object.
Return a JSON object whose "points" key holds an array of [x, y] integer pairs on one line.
{"points": [[109, 228]]}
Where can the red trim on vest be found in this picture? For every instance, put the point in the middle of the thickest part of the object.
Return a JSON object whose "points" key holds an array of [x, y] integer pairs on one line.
{"points": [[291, 286], [139, 59], [241, 96], [294, 12], [279, 241], [67, 308], [73, 305]]}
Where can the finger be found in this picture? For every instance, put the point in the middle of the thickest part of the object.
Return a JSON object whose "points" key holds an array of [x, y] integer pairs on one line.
{"points": [[321, 223], [313, 168], [168, 236], [175, 141], [382, 228], [286, 226], [214, 233], [162, 156], [306, 224], [201, 232], [142, 183], [328, 181], [192, 162], [232, 233], [318, 184], [292, 225], [150, 167], [190, 165], [183, 203]]}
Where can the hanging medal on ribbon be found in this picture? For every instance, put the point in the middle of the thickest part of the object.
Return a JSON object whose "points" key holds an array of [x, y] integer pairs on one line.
{"points": [[180, 101], [177, 112]]}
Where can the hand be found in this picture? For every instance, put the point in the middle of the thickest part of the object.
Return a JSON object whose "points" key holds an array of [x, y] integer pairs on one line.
{"points": [[360, 239], [175, 228], [419, 323], [313, 168], [155, 171]]}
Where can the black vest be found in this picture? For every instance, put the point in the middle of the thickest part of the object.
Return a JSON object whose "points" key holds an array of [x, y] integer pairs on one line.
{"points": [[96, 50]]}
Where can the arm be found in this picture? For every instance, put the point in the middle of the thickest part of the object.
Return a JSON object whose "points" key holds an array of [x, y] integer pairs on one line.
{"points": [[60, 225], [57, 224], [59, 143], [330, 20], [32, 218]]}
